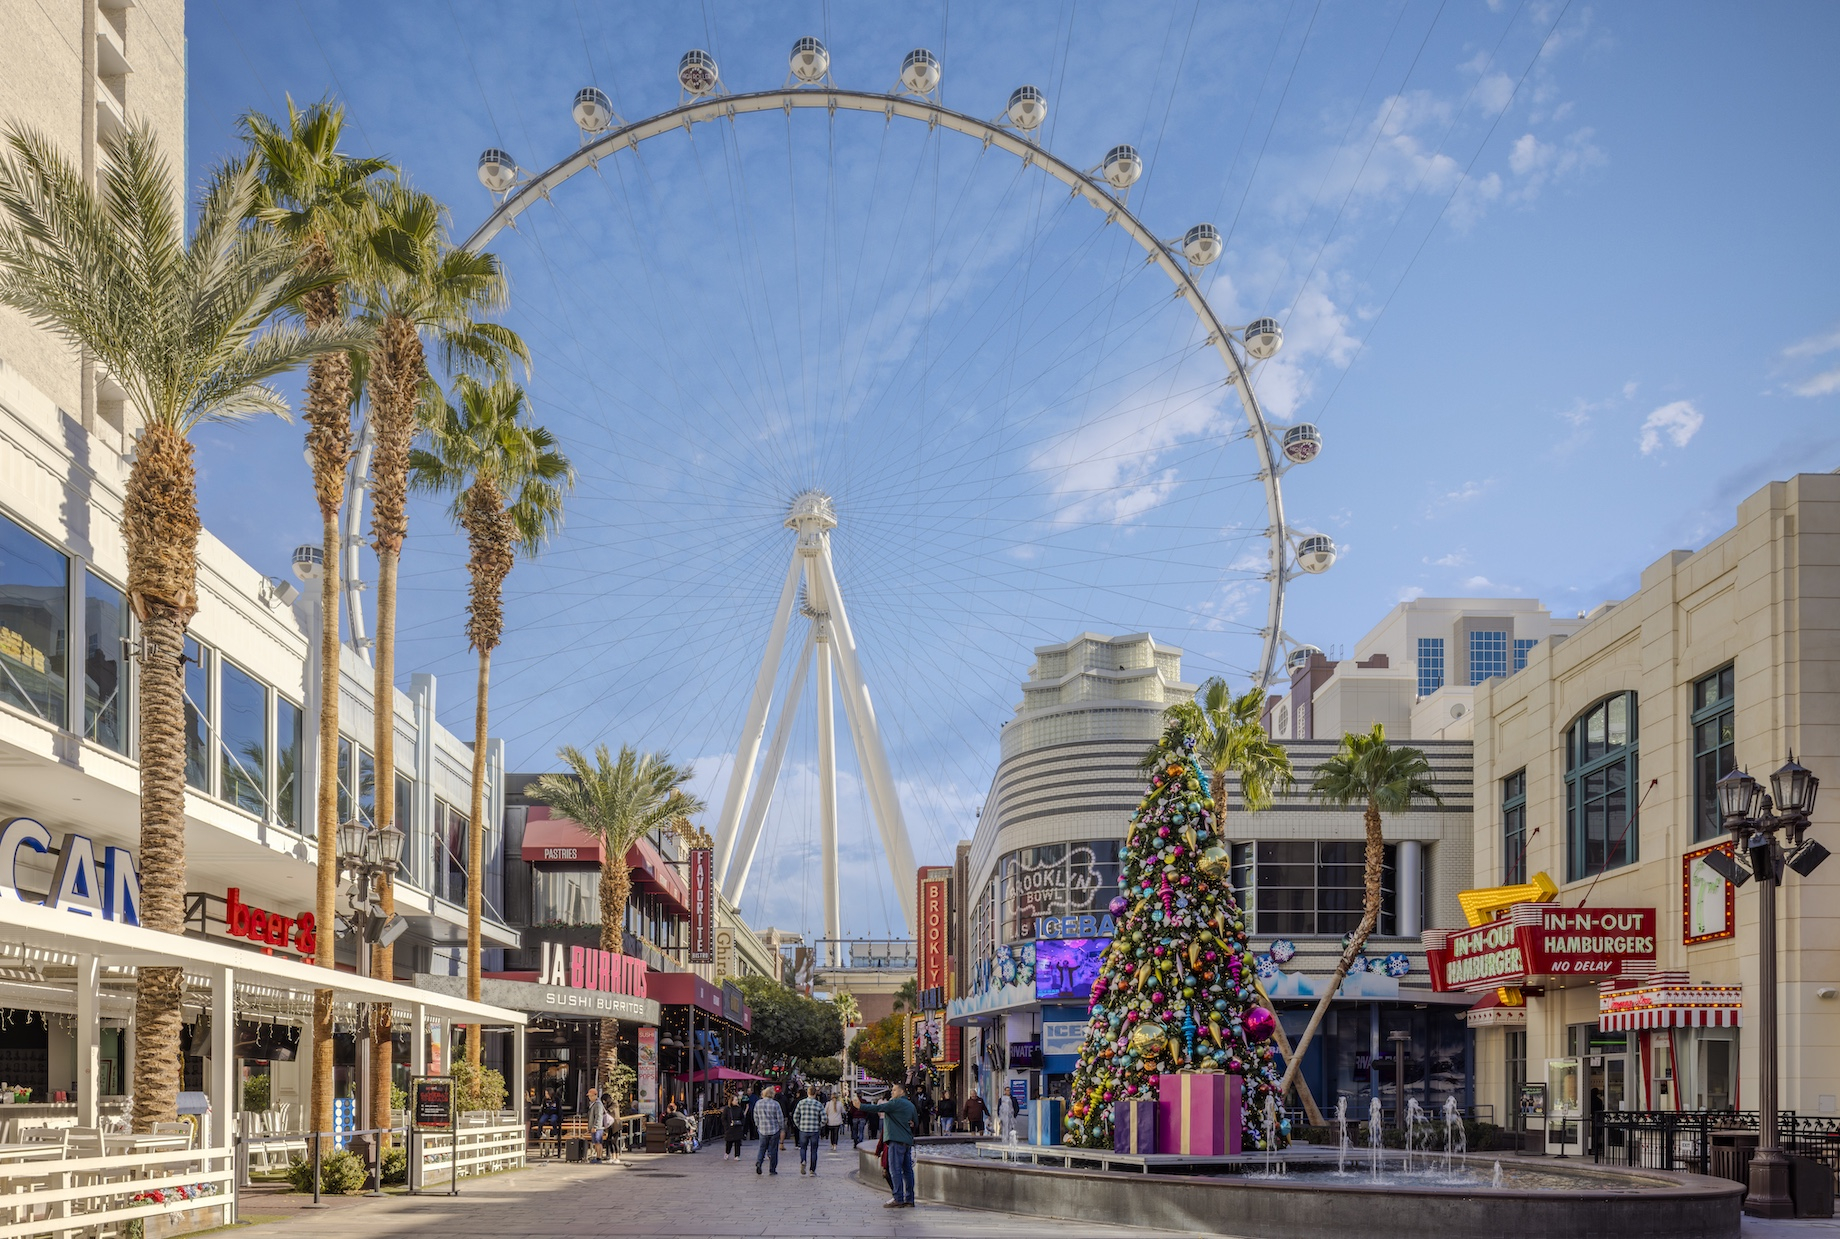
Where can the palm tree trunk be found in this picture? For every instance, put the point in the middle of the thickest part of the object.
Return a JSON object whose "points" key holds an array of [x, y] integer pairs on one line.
{"points": [[1310, 1109], [383, 958], [616, 885], [329, 442], [160, 524], [1370, 916], [475, 845]]}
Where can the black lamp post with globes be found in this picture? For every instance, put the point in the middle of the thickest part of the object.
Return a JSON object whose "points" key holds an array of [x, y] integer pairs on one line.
{"points": [[1755, 820]]}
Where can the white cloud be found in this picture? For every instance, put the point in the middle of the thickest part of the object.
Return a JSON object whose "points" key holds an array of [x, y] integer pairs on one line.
{"points": [[1536, 162], [1410, 593], [1482, 584], [1678, 422], [1825, 384], [1456, 559], [1815, 345]]}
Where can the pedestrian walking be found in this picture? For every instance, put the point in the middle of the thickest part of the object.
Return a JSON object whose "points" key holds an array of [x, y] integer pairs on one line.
{"points": [[859, 1122], [972, 1115], [898, 1116], [808, 1117], [833, 1119], [734, 1126], [597, 1125], [769, 1120], [948, 1114]]}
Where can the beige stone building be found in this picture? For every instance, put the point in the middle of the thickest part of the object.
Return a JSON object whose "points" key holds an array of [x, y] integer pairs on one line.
{"points": [[77, 71], [1595, 765]]}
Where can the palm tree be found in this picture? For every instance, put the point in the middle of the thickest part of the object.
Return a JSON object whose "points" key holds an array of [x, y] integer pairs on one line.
{"points": [[508, 479], [619, 802], [186, 330], [417, 286], [1230, 736], [316, 198], [1369, 772]]}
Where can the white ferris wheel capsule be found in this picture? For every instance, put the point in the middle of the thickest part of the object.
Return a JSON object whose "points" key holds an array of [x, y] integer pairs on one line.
{"points": [[1316, 554], [1299, 658], [497, 170], [1302, 443], [1028, 108], [697, 72], [593, 111], [1201, 244], [1264, 337], [1122, 166], [920, 71], [811, 60]]}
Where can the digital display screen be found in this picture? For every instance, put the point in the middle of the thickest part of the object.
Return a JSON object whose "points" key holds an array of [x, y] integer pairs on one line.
{"points": [[1067, 967]]}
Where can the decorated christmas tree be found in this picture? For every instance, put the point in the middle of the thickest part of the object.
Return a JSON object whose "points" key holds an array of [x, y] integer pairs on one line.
{"points": [[1176, 989]]}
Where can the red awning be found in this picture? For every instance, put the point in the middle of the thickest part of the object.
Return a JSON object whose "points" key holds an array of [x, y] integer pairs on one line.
{"points": [[683, 989], [1490, 1009], [722, 1073], [654, 873], [558, 839], [1669, 1000]]}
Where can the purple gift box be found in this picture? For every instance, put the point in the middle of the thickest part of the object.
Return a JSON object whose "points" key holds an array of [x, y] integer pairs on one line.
{"points": [[1198, 1113], [1134, 1127]]}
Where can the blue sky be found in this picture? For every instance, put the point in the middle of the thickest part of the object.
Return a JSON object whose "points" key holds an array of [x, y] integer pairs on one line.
{"points": [[1557, 283]]}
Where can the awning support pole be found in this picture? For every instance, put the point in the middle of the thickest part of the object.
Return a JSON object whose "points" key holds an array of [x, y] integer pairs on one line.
{"points": [[223, 1055], [89, 1037]]}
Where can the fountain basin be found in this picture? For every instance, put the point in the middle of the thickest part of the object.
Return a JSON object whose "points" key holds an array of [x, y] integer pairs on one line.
{"points": [[1311, 1201]]}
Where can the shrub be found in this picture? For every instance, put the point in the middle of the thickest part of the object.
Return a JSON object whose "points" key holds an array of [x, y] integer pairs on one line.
{"points": [[395, 1166], [256, 1093], [340, 1171], [477, 1088]]}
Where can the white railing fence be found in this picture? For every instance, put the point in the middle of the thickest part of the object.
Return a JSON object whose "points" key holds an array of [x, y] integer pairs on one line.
{"points": [[482, 1144], [101, 1196]]}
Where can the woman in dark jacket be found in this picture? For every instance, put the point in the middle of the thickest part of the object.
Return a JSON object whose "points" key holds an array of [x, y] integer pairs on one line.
{"points": [[734, 1126]]}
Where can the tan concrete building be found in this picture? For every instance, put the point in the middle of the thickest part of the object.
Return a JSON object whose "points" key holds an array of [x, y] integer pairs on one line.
{"points": [[1595, 765], [77, 71]]}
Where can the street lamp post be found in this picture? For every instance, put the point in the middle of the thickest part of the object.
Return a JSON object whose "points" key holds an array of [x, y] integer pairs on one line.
{"points": [[367, 854], [1754, 819]]}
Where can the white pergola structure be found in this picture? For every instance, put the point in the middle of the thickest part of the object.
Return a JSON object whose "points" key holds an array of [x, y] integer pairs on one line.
{"points": [[828, 636]]}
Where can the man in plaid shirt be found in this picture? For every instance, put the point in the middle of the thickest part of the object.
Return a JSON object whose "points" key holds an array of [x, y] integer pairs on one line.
{"points": [[808, 1117], [769, 1120]]}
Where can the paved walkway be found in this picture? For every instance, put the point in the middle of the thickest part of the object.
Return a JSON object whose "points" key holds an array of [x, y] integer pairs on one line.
{"points": [[654, 1195]]}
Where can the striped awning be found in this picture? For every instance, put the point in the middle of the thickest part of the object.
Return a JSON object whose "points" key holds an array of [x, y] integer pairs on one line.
{"points": [[1668, 1000]]}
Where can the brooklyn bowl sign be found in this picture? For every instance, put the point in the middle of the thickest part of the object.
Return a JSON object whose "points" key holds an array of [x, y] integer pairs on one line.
{"points": [[1536, 942]]}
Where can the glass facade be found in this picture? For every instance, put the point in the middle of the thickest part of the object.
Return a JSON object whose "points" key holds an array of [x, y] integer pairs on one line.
{"points": [[1514, 828], [1713, 742], [198, 715], [288, 725], [1055, 879], [245, 747], [1600, 776], [449, 875], [1521, 647], [1488, 655], [565, 897], [1430, 665], [105, 667], [1303, 886], [34, 623]]}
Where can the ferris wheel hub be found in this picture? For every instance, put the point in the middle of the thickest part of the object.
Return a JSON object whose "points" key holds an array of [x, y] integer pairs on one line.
{"points": [[811, 511]]}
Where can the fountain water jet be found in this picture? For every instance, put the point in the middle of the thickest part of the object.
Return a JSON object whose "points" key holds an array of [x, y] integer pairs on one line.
{"points": [[1342, 1143]]}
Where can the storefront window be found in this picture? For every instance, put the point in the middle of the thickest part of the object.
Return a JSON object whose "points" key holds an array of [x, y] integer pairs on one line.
{"points": [[405, 798], [287, 772], [563, 898], [245, 739], [1305, 887], [1056, 879], [450, 852], [34, 628], [1714, 736], [1514, 828], [1600, 773], [105, 677], [198, 715]]}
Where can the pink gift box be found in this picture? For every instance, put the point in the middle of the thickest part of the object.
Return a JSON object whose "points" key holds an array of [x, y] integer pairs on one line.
{"points": [[1198, 1113]]}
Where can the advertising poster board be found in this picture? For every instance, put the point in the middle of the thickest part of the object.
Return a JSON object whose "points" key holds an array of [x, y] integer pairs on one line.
{"points": [[648, 1072], [1066, 968]]}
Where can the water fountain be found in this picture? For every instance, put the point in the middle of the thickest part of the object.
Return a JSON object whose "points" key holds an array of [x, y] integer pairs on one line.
{"points": [[1342, 1143], [1376, 1137], [1495, 1181], [1456, 1142], [1415, 1120]]}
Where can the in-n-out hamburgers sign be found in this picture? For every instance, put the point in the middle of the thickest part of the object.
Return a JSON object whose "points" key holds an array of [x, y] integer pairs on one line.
{"points": [[1540, 941], [86, 880]]}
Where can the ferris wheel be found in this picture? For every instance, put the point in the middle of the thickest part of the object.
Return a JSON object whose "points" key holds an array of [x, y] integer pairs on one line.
{"points": [[1271, 552]]}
